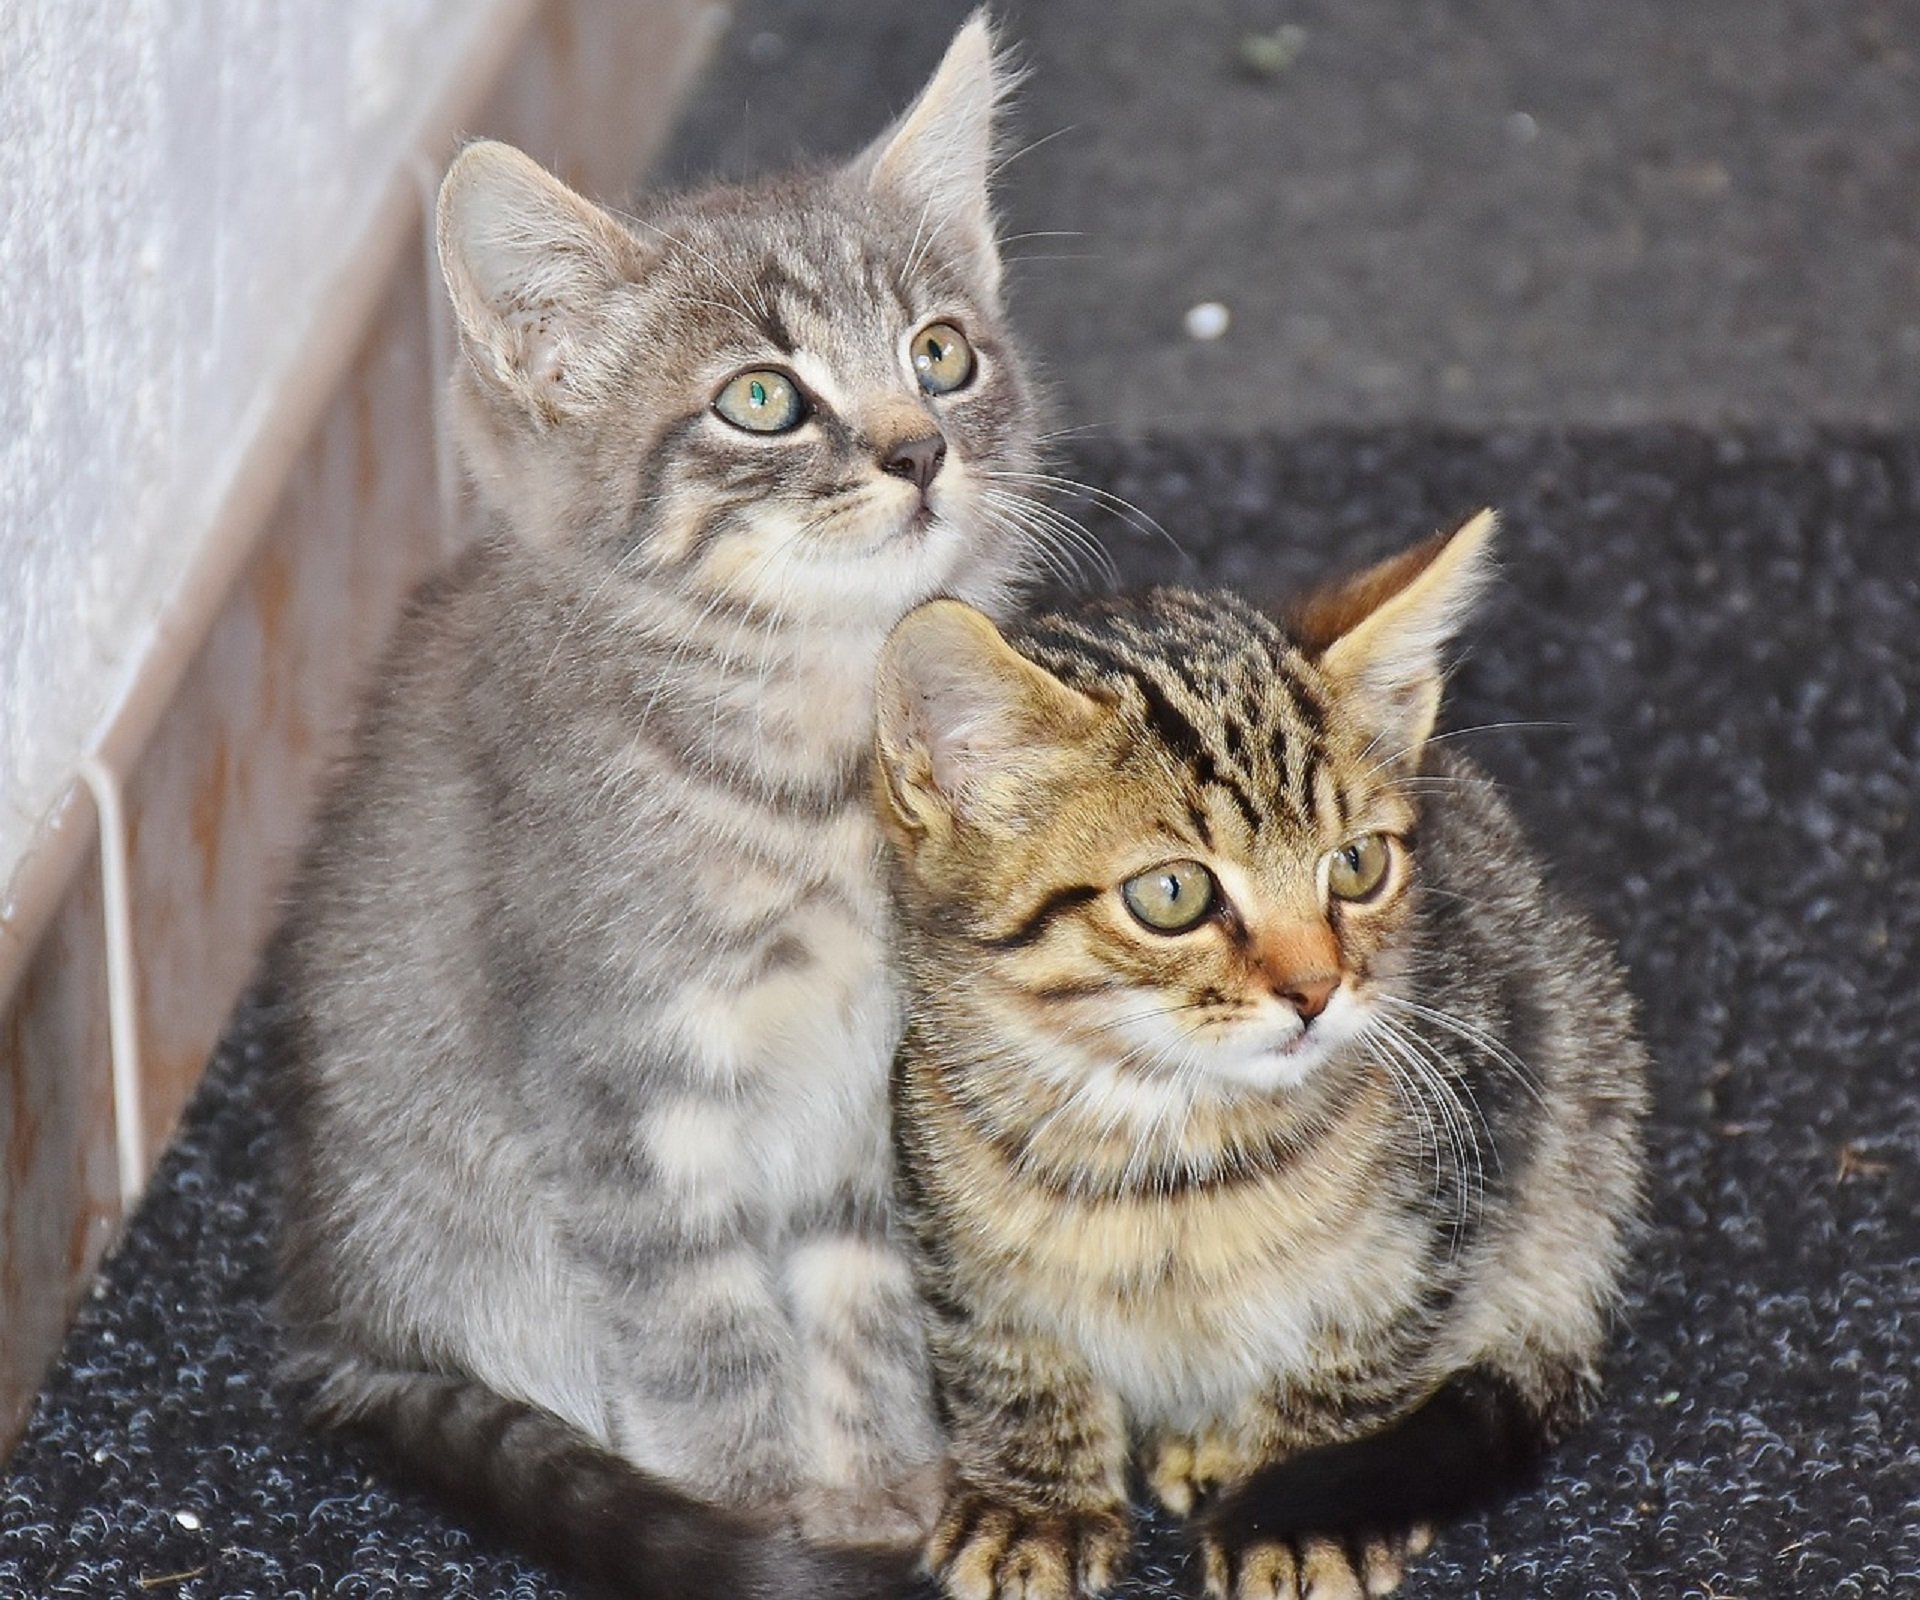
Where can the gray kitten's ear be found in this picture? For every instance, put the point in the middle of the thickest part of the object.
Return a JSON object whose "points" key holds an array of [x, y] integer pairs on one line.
{"points": [[1382, 634], [964, 722], [938, 157], [530, 267]]}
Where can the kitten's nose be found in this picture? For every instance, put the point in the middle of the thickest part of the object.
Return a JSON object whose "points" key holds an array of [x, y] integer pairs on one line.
{"points": [[1308, 996], [918, 459]]}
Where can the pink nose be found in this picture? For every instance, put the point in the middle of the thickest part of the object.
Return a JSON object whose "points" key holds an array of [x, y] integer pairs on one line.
{"points": [[1308, 996], [916, 460]]}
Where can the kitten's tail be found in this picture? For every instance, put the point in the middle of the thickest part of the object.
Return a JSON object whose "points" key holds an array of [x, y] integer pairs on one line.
{"points": [[523, 1474]]}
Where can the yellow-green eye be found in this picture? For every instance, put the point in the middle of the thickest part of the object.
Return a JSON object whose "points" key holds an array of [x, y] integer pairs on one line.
{"points": [[1172, 897], [1359, 866], [762, 401], [942, 358]]}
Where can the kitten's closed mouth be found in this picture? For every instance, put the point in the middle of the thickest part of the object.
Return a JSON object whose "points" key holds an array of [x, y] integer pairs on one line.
{"points": [[912, 529]]}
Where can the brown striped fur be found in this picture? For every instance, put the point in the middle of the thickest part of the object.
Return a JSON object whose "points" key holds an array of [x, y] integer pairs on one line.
{"points": [[1312, 1176]]}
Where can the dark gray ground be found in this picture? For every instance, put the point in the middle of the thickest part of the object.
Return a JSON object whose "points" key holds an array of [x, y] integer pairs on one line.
{"points": [[1722, 631], [1714, 218], [1580, 211]]}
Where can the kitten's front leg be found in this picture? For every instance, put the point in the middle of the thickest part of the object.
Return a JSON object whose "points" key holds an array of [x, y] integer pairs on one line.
{"points": [[870, 1445], [1187, 1471], [1037, 1509], [1341, 1507]]}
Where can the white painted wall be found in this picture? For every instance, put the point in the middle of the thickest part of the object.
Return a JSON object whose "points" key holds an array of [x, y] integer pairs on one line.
{"points": [[180, 185]]}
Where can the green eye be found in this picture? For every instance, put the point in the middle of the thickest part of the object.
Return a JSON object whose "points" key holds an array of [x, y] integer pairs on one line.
{"points": [[1359, 867], [762, 401], [942, 358], [1172, 897]]}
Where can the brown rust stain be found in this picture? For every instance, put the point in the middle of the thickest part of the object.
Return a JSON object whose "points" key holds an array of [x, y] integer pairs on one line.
{"points": [[23, 1129], [19, 1361], [272, 593], [366, 443], [299, 735], [564, 37], [563, 43], [130, 820], [208, 814], [90, 1223], [15, 1398], [272, 588], [168, 1082]]}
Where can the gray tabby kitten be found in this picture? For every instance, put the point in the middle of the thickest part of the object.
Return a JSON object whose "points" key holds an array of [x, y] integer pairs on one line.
{"points": [[585, 986], [1264, 1118]]}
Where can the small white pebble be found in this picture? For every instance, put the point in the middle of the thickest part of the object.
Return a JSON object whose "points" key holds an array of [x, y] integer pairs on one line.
{"points": [[1522, 129], [1208, 320], [100, 1454], [187, 1520]]}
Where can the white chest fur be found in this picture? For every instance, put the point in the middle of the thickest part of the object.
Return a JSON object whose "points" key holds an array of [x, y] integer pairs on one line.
{"points": [[1187, 1312], [789, 1047]]}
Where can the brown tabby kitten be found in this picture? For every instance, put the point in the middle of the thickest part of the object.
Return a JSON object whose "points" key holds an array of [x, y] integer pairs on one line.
{"points": [[586, 1001], [1261, 1110]]}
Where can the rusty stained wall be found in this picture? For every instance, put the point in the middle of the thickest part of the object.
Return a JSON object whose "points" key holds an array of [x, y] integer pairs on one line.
{"points": [[61, 1197], [218, 800]]}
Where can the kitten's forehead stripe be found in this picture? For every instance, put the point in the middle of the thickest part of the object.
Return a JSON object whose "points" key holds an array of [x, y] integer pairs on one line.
{"points": [[1197, 815], [781, 285], [1243, 714], [777, 331]]}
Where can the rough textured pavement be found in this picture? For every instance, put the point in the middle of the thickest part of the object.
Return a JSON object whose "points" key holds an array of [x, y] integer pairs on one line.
{"points": [[1483, 211]]}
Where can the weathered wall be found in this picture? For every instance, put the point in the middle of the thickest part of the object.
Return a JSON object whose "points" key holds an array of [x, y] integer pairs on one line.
{"points": [[180, 185]]}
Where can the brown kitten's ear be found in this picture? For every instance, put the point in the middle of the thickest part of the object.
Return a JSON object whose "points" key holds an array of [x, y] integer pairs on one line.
{"points": [[1382, 634], [964, 722], [937, 158], [530, 267]]}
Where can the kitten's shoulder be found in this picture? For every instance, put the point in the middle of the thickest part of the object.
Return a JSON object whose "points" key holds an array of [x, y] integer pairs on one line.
{"points": [[1503, 910]]}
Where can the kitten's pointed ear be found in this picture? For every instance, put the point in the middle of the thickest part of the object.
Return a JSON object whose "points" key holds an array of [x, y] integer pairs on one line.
{"points": [[938, 157], [530, 266], [964, 722], [1382, 634]]}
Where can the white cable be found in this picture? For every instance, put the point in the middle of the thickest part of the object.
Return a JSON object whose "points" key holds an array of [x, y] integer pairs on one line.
{"points": [[123, 997]]}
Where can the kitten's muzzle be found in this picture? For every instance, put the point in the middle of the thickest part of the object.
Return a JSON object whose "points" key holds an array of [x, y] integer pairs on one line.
{"points": [[917, 460]]}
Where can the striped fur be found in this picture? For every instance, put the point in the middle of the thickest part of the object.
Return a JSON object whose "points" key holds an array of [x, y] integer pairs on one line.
{"points": [[585, 986], [1327, 1268]]}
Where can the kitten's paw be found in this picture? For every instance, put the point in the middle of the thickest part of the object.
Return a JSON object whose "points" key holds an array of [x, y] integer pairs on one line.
{"points": [[984, 1549], [1312, 1569], [901, 1513], [1182, 1471]]}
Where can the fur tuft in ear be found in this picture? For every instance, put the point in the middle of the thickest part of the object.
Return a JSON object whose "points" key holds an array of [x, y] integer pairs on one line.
{"points": [[1382, 634], [937, 159], [529, 266], [964, 721]]}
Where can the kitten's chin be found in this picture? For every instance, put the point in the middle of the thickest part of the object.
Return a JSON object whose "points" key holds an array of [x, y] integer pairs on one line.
{"points": [[1270, 1071], [1268, 1066], [918, 555]]}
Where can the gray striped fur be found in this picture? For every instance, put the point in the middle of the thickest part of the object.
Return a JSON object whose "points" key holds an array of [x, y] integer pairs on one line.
{"points": [[585, 981]]}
